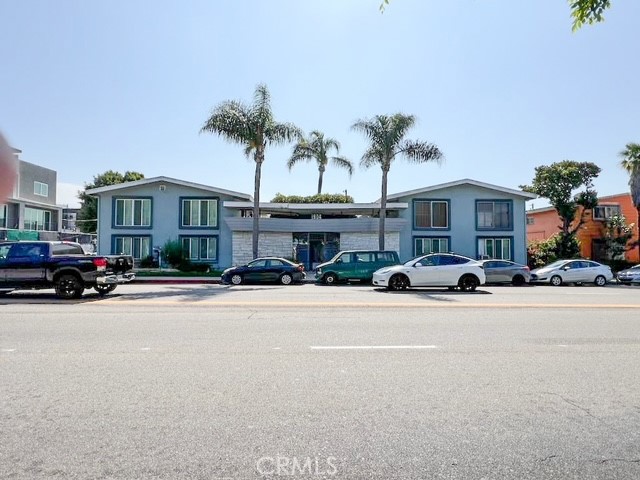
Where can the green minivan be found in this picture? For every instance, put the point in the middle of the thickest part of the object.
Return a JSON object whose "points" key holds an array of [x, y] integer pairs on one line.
{"points": [[354, 265]]}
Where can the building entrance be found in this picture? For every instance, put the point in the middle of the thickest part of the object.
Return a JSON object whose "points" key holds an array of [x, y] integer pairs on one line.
{"points": [[314, 248]]}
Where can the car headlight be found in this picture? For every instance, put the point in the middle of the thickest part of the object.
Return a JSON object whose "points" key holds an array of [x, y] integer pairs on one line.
{"points": [[383, 271], [318, 271]]}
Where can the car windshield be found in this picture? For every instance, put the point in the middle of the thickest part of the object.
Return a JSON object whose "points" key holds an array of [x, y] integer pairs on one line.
{"points": [[555, 264], [413, 260]]}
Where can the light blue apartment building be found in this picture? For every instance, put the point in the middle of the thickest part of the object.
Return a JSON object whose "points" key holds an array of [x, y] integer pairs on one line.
{"points": [[214, 225]]}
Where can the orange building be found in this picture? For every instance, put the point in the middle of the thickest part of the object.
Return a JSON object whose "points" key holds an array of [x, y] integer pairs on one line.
{"points": [[542, 223]]}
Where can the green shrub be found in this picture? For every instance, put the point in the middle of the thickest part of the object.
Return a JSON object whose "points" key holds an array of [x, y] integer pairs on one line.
{"points": [[173, 253], [187, 266], [321, 198], [148, 262], [618, 265], [559, 246]]}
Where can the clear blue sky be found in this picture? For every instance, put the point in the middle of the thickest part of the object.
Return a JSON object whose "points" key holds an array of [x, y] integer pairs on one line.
{"points": [[501, 86]]}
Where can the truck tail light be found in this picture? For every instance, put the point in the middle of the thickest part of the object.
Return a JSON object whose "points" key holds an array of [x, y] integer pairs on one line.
{"points": [[100, 263]]}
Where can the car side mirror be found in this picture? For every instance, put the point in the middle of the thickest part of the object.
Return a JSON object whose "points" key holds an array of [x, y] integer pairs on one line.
{"points": [[339, 260], [418, 264]]}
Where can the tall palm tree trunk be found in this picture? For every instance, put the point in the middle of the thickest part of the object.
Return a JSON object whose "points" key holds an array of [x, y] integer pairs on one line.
{"points": [[259, 158], [383, 209], [320, 175]]}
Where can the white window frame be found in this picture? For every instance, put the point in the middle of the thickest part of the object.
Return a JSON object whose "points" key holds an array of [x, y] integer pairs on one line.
{"points": [[212, 205], [128, 246], [41, 189], [196, 253], [3, 216], [128, 212], [431, 203], [486, 220], [430, 242], [609, 211], [483, 248], [41, 222]]}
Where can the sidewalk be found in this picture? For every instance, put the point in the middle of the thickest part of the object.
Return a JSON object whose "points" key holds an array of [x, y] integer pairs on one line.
{"points": [[177, 280]]}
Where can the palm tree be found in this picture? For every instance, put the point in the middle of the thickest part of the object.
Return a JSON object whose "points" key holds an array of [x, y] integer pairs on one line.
{"points": [[254, 127], [386, 142], [317, 148], [631, 163]]}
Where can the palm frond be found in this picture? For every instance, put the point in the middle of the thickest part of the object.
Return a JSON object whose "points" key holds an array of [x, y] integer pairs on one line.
{"points": [[631, 158], [279, 133], [248, 150], [343, 162], [261, 107], [372, 156], [230, 120], [301, 152], [420, 152]]}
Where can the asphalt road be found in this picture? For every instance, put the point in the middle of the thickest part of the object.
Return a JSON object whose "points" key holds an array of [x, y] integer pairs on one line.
{"points": [[211, 382]]}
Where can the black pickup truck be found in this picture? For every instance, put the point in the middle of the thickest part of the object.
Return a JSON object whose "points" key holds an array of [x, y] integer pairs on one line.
{"points": [[60, 265]]}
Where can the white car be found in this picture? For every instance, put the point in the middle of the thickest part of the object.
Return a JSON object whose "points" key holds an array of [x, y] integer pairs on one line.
{"points": [[573, 271], [433, 270], [630, 275]]}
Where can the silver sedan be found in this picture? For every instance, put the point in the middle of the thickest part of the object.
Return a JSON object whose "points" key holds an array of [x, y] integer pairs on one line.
{"points": [[505, 271]]}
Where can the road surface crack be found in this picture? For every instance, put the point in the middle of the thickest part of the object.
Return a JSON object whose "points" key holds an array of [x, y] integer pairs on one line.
{"points": [[625, 460], [572, 403], [546, 459]]}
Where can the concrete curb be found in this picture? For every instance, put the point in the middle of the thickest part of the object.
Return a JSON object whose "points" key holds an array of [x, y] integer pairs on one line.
{"points": [[188, 280]]}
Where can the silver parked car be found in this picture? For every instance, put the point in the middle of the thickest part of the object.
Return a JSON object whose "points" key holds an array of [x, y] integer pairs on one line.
{"points": [[573, 271], [505, 271], [630, 275]]}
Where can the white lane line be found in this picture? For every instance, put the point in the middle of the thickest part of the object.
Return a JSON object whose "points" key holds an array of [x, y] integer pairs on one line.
{"points": [[144, 349], [277, 348], [8, 350], [562, 345], [372, 347]]}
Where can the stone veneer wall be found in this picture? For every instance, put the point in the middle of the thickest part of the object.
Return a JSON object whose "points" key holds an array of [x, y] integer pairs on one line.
{"points": [[369, 241], [269, 245]]}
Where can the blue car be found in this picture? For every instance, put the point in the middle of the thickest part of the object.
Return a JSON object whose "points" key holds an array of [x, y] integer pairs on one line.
{"points": [[265, 270]]}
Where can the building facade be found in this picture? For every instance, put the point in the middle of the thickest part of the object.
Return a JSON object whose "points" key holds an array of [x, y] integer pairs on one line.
{"points": [[215, 226], [543, 223], [31, 211]]}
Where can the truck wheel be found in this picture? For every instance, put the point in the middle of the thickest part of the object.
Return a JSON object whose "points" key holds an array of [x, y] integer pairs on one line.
{"points": [[68, 287], [104, 289], [330, 279]]}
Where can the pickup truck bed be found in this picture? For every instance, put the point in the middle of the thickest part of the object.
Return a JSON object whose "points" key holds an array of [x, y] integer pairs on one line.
{"points": [[60, 265]]}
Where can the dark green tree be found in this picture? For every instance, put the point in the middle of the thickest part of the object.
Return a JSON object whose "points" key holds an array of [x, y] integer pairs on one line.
{"points": [[318, 147], [558, 182], [88, 215], [253, 127], [386, 135]]}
